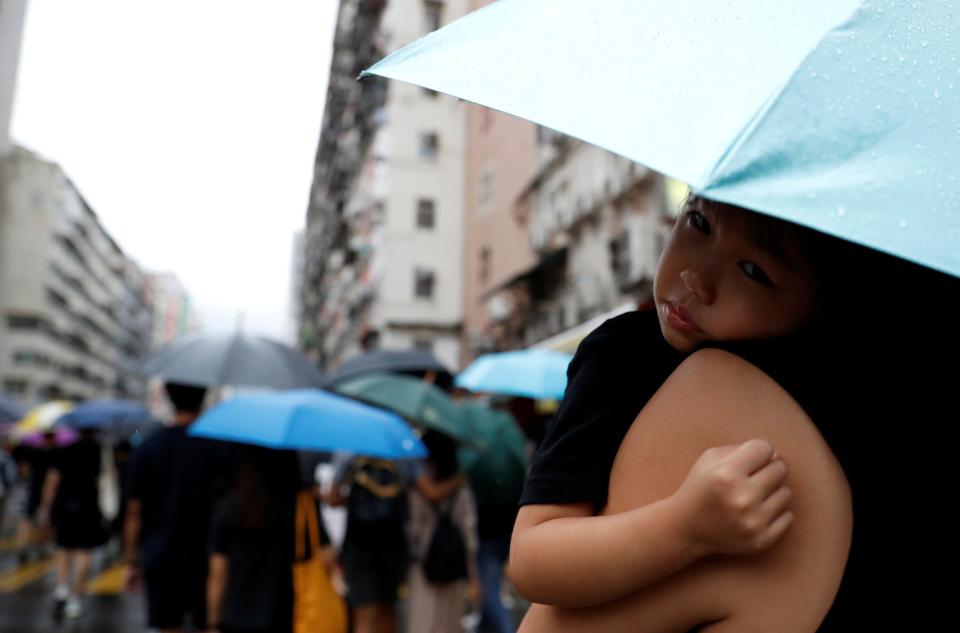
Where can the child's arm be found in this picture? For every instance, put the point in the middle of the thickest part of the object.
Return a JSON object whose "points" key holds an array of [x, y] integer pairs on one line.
{"points": [[733, 501]]}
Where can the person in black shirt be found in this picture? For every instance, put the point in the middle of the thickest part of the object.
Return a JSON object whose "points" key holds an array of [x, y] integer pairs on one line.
{"points": [[71, 499], [175, 480], [250, 588], [728, 277]]}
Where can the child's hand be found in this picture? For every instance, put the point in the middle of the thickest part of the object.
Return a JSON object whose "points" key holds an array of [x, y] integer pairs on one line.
{"points": [[736, 499]]}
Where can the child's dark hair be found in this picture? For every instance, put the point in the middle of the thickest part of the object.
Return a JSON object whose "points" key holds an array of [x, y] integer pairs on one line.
{"points": [[853, 281], [829, 257], [185, 398]]}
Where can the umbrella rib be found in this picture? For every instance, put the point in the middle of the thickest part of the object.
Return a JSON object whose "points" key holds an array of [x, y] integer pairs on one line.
{"points": [[746, 133]]}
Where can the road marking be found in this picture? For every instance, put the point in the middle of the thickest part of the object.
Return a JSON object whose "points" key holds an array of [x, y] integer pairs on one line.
{"points": [[19, 577], [108, 582]]}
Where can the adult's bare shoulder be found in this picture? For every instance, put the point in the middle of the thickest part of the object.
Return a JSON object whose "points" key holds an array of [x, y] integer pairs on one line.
{"points": [[713, 399]]}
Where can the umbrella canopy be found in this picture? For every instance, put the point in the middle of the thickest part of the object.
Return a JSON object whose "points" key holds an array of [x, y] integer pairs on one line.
{"points": [[10, 411], [118, 416], [497, 463], [310, 420], [846, 121], [417, 400], [530, 373], [232, 359], [390, 361], [42, 418]]}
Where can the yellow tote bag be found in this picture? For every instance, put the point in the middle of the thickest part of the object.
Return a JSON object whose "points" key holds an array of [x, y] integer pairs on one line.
{"points": [[317, 608]]}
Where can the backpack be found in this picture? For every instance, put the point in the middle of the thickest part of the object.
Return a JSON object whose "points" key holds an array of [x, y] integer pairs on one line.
{"points": [[377, 496], [446, 558]]}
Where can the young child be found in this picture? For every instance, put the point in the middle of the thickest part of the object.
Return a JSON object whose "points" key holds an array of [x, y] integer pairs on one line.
{"points": [[727, 275]]}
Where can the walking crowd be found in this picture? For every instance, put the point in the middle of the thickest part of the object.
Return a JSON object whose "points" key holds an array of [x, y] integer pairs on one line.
{"points": [[222, 536]]}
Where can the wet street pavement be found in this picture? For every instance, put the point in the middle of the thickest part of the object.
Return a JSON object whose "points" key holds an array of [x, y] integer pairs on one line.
{"points": [[26, 603]]}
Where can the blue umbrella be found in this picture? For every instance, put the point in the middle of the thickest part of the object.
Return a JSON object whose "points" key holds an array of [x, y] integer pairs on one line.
{"points": [[839, 115], [531, 373], [118, 416], [310, 420]]}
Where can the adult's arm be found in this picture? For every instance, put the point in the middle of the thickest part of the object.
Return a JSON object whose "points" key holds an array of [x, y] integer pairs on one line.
{"points": [[716, 399], [216, 585]]}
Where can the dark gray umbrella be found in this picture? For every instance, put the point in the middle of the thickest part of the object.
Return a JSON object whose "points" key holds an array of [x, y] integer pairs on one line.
{"points": [[411, 362], [10, 411], [232, 359]]}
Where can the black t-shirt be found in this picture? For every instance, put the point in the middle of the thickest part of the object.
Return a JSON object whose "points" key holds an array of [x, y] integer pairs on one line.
{"points": [[79, 468], [259, 591], [874, 394], [615, 371], [177, 479]]}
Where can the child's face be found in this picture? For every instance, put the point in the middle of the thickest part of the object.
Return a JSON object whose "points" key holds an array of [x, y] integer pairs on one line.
{"points": [[714, 283]]}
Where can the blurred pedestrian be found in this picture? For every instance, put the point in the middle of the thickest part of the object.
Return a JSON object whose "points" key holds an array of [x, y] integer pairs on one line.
{"points": [[374, 552], [439, 588], [71, 501], [174, 482], [250, 586], [8, 481], [32, 533]]}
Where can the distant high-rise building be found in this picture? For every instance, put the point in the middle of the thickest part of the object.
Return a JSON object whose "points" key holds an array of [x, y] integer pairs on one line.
{"points": [[384, 237], [172, 308], [12, 14], [73, 322]]}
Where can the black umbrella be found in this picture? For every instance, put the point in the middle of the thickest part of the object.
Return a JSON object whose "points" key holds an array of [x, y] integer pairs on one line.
{"points": [[10, 411], [411, 362], [232, 359]]}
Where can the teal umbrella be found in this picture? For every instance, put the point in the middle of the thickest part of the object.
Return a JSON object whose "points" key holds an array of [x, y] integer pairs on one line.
{"points": [[496, 462], [841, 115], [420, 402]]}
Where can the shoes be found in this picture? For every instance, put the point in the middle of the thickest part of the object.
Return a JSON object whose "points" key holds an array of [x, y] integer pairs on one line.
{"points": [[61, 593], [73, 608]]}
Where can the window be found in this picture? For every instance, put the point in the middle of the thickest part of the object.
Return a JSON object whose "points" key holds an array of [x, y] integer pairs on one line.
{"points": [[15, 322], [485, 263], [15, 387], [34, 359], [423, 282], [429, 145], [485, 195], [423, 345], [432, 15], [425, 214]]}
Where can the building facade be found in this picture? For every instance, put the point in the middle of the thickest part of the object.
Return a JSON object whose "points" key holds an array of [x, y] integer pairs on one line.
{"points": [[12, 13], [73, 321], [597, 223], [172, 310], [383, 259]]}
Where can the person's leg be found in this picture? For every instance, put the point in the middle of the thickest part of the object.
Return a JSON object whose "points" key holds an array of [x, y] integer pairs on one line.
{"points": [[491, 557], [387, 617], [82, 561], [61, 561], [164, 605], [365, 618], [24, 532]]}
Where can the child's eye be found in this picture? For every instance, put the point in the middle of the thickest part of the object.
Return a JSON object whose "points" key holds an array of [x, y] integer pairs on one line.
{"points": [[755, 273], [699, 221]]}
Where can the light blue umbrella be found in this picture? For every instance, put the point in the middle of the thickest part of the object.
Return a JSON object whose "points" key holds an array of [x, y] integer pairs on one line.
{"points": [[310, 420], [843, 115], [531, 373]]}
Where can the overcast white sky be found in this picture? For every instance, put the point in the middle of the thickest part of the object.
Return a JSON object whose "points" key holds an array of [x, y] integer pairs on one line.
{"points": [[190, 126]]}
